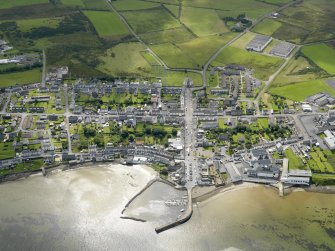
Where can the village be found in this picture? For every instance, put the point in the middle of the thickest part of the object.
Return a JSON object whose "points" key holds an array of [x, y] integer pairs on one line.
{"points": [[57, 122]]}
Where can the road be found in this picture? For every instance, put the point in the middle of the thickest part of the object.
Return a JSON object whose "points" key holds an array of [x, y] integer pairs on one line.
{"points": [[191, 165]]}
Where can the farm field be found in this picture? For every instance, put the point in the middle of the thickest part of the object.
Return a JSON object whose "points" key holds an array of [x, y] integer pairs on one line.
{"points": [[252, 8], [299, 69], [307, 21], [73, 3], [267, 27], [156, 19], [300, 91], [243, 40], [125, 59], [176, 78], [173, 8], [192, 54], [263, 65], [107, 24], [175, 35], [209, 23], [122, 5], [96, 4], [322, 55], [25, 77], [6, 4]]}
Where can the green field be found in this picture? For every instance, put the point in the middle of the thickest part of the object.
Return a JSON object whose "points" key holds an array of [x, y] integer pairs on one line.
{"points": [[107, 24], [267, 27], [300, 91], [192, 54], [307, 21], [6, 150], [5, 4], [125, 59], [174, 9], [209, 23], [156, 19], [294, 162], [322, 55], [253, 8], [176, 78], [175, 35], [73, 3], [263, 65], [122, 5], [26, 25], [25, 77]]}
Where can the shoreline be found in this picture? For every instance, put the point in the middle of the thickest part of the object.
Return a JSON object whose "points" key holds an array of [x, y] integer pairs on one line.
{"points": [[196, 198]]}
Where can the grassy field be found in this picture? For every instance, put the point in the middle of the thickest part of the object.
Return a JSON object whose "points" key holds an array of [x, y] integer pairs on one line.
{"points": [[175, 35], [322, 55], [26, 25], [25, 77], [244, 40], [176, 78], [300, 91], [192, 54], [122, 5], [299, 69], [156, 19], [267, 27], [107, 24], [209, 23], [174, 9], [308, 21], [125, 59], [73, 3], [5, 4], [264, 66], [252, 8], [294, 162], [96, 4], [6, 150]]}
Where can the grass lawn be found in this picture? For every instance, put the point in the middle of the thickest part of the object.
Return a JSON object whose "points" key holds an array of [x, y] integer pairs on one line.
{"points": [[263, 65], [267, 27], [73, 3], [156, 19], [107, 24], [122, 5], [209, 23], [322, 55], [263, 122], [125, 59], [25, 77], [294, 162], [323, 179], [26, 25], [6, 4], [300, 91]]}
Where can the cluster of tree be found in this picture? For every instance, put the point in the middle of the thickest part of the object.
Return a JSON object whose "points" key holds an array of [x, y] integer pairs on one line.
{"points": [[241, 20]]}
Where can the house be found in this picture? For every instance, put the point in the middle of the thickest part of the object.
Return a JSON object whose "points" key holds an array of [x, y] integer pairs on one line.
{"points": [[259, 154]]}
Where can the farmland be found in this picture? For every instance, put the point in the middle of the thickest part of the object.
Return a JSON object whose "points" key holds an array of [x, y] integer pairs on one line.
{"points": [[5, 4], [263, 65], [123, 5], [31, 76], [322, 55], [300, 91], [107, 24], [267, 27]]}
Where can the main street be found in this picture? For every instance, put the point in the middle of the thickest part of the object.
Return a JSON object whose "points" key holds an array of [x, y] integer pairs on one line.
{"points": [[189, 140]]}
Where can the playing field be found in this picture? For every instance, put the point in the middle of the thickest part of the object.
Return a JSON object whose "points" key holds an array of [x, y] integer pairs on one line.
{"points": [[300, 91], [267, 27], [209, 23], [5, 4], [25, 77], [263, 65], [107, 24], [322, 55]]}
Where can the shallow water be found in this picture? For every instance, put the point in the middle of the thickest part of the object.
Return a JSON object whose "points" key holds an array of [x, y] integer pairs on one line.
{"points": [[80, 210]]}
